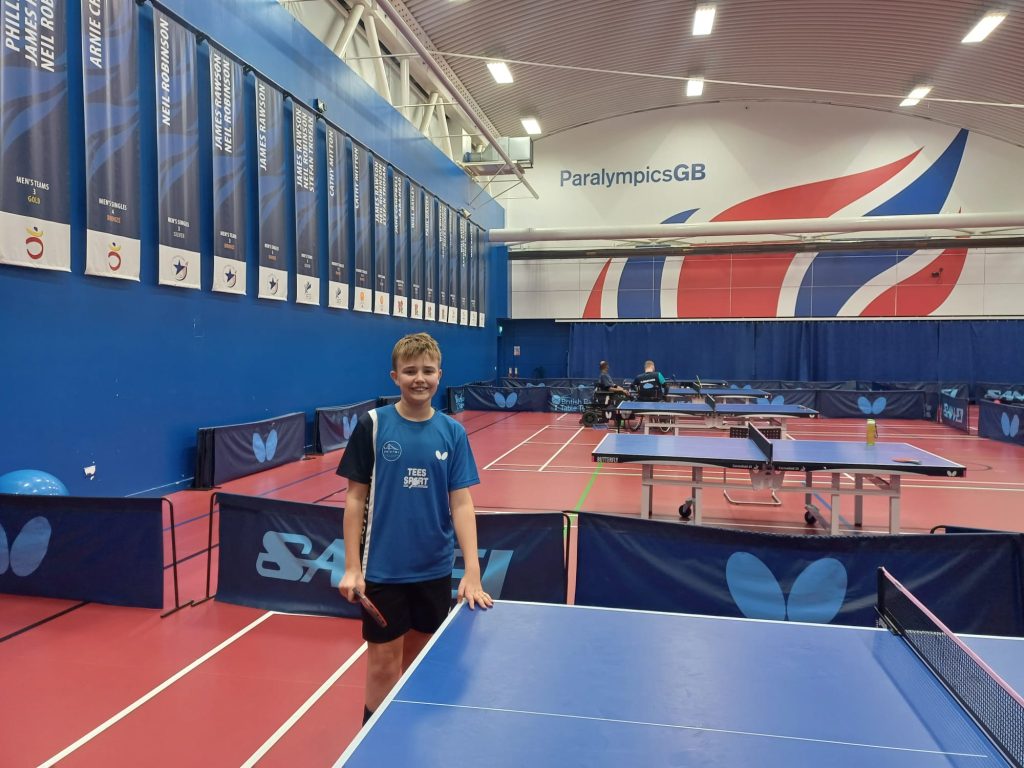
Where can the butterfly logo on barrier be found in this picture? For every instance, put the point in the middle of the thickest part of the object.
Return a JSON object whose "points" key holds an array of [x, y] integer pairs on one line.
{"points": [[348, 423], [505, 401], [816, 596], [441, 455], [870, 407], [28, 549], [778, 400], [1010, 426], [264, 451]]}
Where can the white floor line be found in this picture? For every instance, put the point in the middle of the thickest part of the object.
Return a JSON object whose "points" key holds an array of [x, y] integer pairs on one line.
{"points": [[506, 453], [564, 446], [159, 689], [306, 706]]}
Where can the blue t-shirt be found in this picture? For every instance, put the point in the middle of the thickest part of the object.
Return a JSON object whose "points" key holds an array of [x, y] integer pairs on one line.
{"points": [[411, 467]]}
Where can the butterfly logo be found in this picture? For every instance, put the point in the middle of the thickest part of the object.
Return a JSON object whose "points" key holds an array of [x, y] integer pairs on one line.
{"points": [[503, 401], [28, 549], [870, 407], [441, 455], [778, 400], [1010, 426], [264, 451], [816, 596], [348, 423]]}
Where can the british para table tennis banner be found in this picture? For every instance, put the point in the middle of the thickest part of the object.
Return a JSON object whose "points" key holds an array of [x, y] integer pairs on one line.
{"points": [[973, 581], [381, 238], [443, 244], [474, 247], [270, 181], [454, 241], [339, 219], [429, 256], [35, 197], [415, 220], [230, 176], [110, 74], [463, 271], [177, 150], [362, 205], [399, 246], [481, 280], [307, 260]]}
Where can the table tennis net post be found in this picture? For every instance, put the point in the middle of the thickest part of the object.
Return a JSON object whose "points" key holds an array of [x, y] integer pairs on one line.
{"points": [[764, 445], [709, 401], [991, 702]]}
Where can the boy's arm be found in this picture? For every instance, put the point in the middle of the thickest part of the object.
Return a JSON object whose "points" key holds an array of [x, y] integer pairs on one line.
{"points": [[355, 504], [464, 519]]}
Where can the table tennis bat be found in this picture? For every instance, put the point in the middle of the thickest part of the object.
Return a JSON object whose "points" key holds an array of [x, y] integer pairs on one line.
{"points": [[906, 460], [371, 609]]}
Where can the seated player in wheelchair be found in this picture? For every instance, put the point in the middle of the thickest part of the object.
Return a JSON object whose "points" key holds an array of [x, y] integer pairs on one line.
{"points": [[650, 385], [607, 396]]}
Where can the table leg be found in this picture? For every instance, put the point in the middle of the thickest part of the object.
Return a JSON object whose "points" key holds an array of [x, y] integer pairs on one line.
{"points": [[834, 523], [894, 504], [697, 475], [646, 490], [858, 501]]}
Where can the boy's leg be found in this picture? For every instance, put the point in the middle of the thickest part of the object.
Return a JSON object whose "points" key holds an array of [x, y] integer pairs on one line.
{"points": [[383, 669], [414, 643]]}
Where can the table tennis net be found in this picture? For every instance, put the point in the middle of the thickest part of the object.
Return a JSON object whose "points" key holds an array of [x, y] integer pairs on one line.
{"points": [[996, 707]]}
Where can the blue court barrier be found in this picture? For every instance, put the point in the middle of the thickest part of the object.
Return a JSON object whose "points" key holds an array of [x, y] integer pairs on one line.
{"points": [[95, 549], [890, 404], [333, 426], [955, 412], [1008, 393], [998, 421], [233, 451], [474, 397], [804, 397], [288, 556], [973, 582]]}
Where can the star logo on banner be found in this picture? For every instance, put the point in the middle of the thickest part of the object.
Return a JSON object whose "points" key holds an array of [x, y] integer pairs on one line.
{"points": [[273, 285], [180, 269], [230, 277]]}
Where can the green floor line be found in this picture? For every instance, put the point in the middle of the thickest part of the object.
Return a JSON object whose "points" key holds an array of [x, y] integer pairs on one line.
{"points": [[586, 491]]}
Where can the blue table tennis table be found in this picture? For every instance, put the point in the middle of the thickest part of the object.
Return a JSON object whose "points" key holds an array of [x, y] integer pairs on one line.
{"points": [[712, 414], [536, 685], [879, 466]]}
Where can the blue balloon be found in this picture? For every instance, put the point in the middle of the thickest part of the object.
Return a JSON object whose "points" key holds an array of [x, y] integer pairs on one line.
{"points": [[32, 481]]}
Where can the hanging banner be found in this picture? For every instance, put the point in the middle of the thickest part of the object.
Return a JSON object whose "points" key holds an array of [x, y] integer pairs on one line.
{"points": [[481, 281], [415, 251], [338, 220], [442, 262], [307, 262], [362, 206], [110, 73], [35, 202], [399, 245], [177, 151], [429, 257], [453, 265], [474, 247], [229, 172], [270, 180], [381, 238], [463, 271]]}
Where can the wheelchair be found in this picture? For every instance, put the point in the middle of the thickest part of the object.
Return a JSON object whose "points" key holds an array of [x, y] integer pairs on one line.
{"points": [[603, 409]]}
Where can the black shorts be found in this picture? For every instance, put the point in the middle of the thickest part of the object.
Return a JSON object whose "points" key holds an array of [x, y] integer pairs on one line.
{"points": [[421, 605]]}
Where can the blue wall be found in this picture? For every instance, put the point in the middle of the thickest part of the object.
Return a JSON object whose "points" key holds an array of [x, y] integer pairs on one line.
{"points": [[96, 371]]}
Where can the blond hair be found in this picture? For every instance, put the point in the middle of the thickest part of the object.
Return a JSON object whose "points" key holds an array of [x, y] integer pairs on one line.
{"points": [[414, 345]]}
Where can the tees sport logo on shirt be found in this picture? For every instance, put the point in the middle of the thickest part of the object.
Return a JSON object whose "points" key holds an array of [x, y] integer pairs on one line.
{"points": [[416, 478], [391, 450]]}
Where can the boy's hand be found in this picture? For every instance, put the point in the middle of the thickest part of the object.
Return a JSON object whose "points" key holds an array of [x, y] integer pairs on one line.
{"points": [[472, 591], [352, 580]]}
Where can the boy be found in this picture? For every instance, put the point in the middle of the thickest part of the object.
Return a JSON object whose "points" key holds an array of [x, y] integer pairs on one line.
{"points": [[409, 470]]}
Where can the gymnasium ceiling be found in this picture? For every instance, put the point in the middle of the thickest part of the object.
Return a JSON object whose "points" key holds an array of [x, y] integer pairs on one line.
{"points": [[833, 50]]}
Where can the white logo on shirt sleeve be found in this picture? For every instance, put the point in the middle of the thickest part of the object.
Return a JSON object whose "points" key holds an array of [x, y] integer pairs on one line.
{"points": [[441, 456]]}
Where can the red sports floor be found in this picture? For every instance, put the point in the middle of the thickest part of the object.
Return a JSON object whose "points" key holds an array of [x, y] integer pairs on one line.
{"points": [[222, 685]]}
